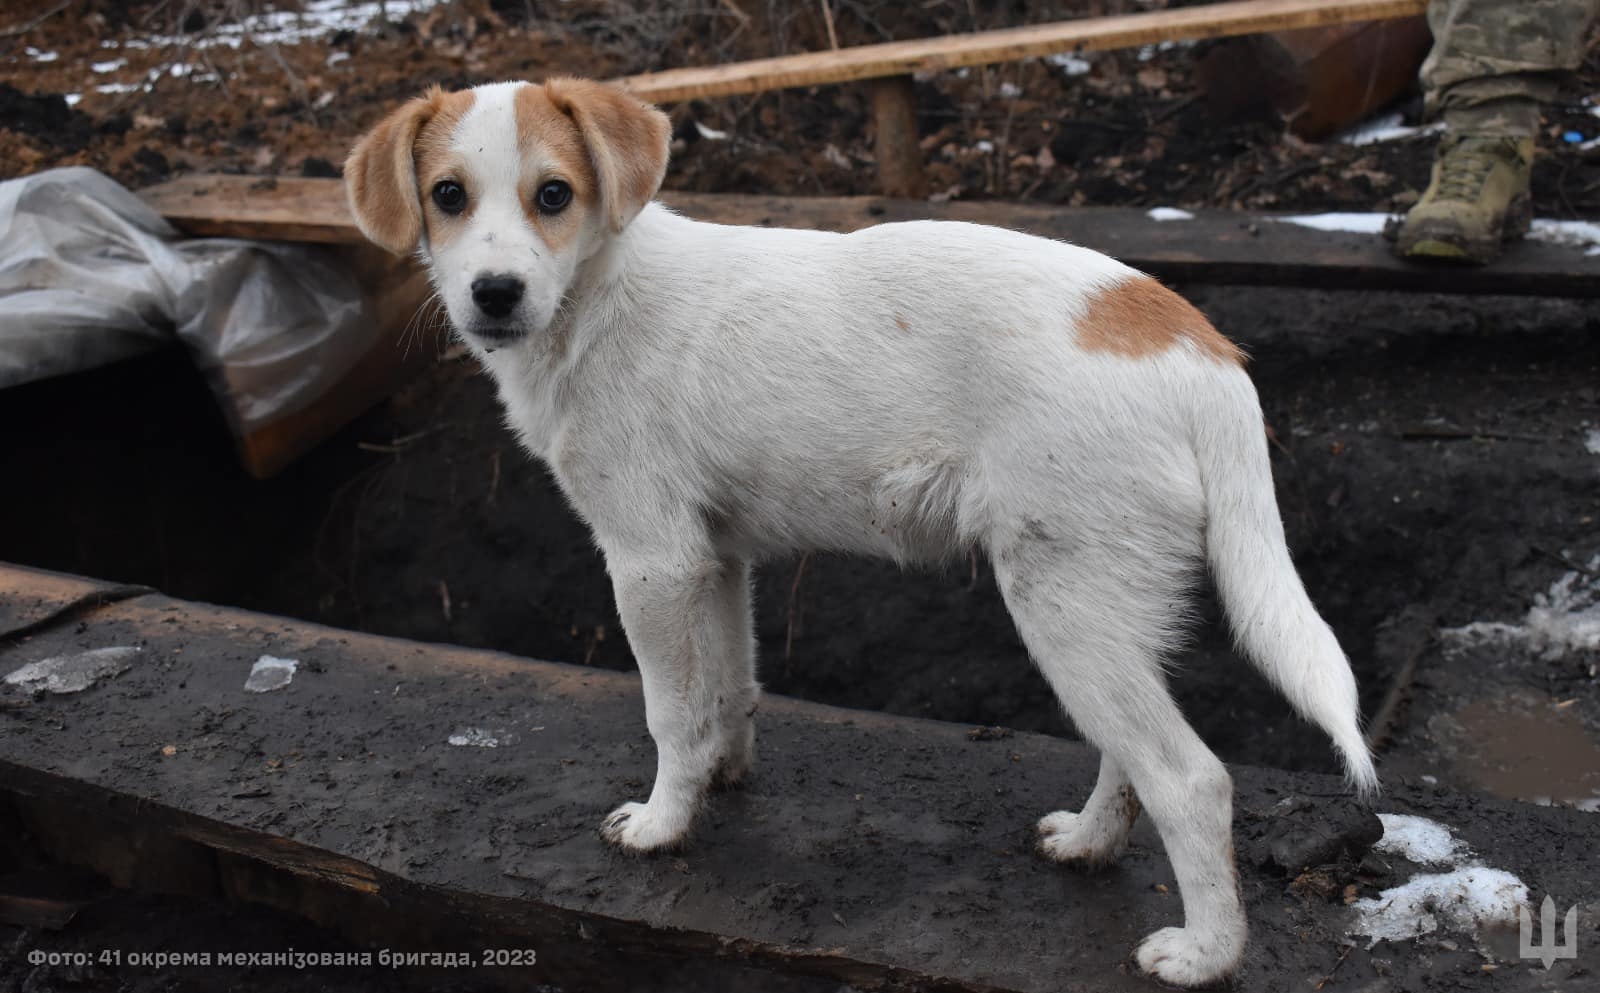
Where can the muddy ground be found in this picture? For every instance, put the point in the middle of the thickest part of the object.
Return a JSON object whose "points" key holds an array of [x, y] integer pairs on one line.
{"points": [[1434, 456]]}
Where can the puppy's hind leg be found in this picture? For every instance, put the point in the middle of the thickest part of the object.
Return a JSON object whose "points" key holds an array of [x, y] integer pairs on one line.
{"points": [[738, 693], [1096, 620], [681, 638], [1097, 833]]}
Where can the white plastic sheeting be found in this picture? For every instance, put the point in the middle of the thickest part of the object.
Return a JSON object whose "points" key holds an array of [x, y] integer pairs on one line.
{"points": [[90, 274]]}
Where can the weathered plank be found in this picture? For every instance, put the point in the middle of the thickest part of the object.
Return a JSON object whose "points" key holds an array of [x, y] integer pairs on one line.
{"points": [[872, 849], [900, 58], [1216, 246]]}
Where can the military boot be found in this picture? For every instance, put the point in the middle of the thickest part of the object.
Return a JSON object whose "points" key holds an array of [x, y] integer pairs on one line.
{"points": [[1478, 198]]}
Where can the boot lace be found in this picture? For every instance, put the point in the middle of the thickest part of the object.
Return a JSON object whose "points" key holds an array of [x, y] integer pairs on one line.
{"points": [[1466, 167]]}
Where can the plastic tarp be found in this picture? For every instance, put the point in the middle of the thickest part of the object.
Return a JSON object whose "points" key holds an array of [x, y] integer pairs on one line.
{"points": [[90, 274]]}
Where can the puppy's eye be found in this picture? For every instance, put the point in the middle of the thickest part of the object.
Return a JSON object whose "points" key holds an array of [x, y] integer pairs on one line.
{"points": [[554, 196], [450, 196]]}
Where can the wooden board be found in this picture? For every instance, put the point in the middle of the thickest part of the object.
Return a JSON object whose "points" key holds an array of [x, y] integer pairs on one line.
{"points": [[871, 849], [1217, 246], [953, 51]]}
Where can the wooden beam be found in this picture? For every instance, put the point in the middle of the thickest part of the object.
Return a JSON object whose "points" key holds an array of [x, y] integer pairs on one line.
{"points": [[878, 851], [1216, 246], [899, 155], [900, 58]]}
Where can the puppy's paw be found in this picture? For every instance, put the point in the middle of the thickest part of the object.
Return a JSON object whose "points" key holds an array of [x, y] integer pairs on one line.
{"points": [[637, 828], [1181, 957], [1068, 837]]}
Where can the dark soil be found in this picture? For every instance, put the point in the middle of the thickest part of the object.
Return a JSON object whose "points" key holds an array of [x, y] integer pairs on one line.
{"points": [[1133, 130]]}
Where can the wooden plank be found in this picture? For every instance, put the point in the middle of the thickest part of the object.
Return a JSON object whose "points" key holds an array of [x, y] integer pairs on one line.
{"points": [[900, 58], [1216, 246], [274, 209], [899, 155], [34, 598], [871, 849]]}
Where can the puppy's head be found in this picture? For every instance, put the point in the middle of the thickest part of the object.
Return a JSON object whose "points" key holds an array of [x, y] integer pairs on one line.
{"points": [[504, 190]]}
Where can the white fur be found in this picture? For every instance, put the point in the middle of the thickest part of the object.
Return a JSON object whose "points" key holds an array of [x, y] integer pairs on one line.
{"points": [[710, 396]]}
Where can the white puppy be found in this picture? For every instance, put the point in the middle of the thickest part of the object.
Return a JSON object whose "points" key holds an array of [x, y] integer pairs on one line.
{"points": [[709, 396]]}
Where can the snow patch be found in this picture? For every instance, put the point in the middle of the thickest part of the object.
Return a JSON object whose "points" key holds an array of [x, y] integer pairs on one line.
{"points": [[1072, 65], [1573, 234], [1358, 223], [270, 673], [1386, 127], [73, 673], [480, 738], [1465, 899], [318, 19], [1469, 897], [1168, 214], [1418, 839], [1562, 621]]}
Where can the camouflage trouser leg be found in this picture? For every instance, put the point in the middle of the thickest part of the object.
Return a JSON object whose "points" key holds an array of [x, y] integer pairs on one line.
{"points": [[1495, 61]]}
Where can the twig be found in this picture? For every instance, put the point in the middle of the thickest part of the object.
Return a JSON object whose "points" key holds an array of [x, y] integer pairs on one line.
{"points": [[21, 29], [1564, 560], [1424, 432], [1329, 977], [444, 600], [827, 18], [794, 593], [398, 445]]}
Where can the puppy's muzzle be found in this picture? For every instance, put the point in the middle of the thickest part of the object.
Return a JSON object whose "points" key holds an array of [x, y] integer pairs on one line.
{"points": [[497, 296]]}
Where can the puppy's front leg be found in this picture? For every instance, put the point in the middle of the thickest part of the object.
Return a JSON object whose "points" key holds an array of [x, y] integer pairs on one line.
{"points": [[680, 636]]}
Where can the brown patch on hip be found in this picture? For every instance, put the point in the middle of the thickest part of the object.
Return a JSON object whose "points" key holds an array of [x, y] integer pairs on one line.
{"points": [[1139, 317]]}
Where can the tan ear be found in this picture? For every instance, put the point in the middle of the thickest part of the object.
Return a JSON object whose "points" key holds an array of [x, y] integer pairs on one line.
{"points": [[380, 177], [627, 140]]}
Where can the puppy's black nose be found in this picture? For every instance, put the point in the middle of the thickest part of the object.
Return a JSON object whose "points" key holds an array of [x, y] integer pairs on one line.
{"points": [[496, 295]]}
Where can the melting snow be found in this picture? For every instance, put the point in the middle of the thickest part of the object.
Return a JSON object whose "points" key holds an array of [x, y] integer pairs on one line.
{"points": [[1466, 898], [1564, 620], [270, 673], [480, 738], [73, 673], [1387, 127], [1358, 223], [1168, 214], [287, 27], [1574, 234], [1463, 899], [1418, 839], [1072, 65]]}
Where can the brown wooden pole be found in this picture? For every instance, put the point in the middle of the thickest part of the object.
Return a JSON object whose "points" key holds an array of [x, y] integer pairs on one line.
{"points": [[894, 112]]}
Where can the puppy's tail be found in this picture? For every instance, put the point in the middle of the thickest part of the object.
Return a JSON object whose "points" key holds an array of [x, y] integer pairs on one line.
{"points": [[1272, 618]]}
